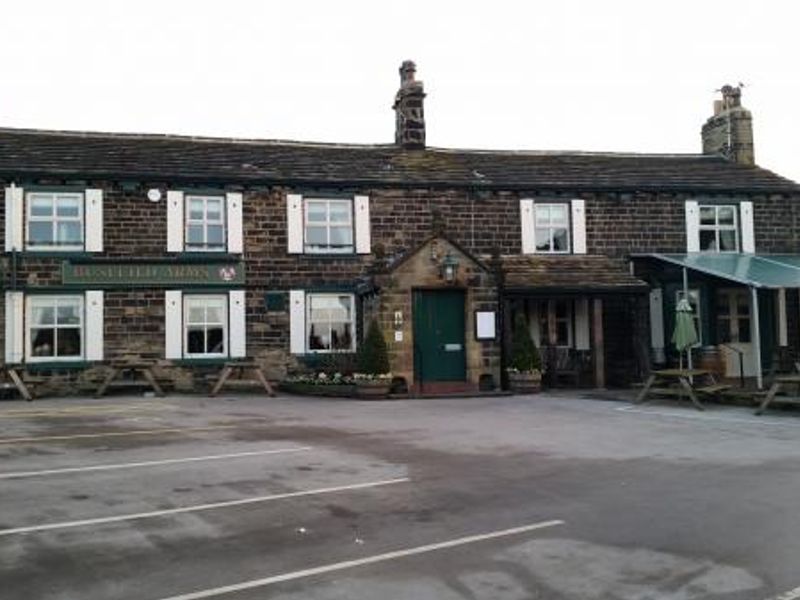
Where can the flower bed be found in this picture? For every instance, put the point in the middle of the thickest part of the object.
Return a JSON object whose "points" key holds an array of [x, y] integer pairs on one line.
{"points": [[338, 385]]}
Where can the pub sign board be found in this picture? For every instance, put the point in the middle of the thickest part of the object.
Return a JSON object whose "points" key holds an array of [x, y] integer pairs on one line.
{"points": [[152, 274]]}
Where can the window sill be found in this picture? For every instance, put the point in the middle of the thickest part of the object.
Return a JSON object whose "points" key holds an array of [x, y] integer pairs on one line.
{"points": [[52, 253]]}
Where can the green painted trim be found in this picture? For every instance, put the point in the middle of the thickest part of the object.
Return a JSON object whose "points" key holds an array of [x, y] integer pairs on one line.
{"points": [[66, 255], [70, 188], [180, 258], [200, 362], [60, 366]]}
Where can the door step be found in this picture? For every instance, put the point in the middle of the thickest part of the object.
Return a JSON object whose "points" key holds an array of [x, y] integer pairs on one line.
{"points": [[439, 388]]}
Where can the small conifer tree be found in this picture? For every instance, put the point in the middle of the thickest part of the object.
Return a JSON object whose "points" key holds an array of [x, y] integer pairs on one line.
{"points": [[373, 356], [524, 353]]}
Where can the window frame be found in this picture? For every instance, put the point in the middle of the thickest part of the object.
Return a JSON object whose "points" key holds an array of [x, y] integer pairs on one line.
{"points": [[54, 219], [717, 228], [551, 228], [187, 300], [309, 323], [732, 318], [204, 222], [329, 249], [30, 301]]}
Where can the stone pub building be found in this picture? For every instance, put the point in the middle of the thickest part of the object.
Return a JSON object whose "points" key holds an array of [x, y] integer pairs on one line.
{"points": [[193, 251]]}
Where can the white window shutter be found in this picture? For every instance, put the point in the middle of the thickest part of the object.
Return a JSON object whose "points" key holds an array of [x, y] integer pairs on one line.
{"points": [[579, 227], [294, 223], [235, 233], [173, 323], [657, 324], [297, 321], [362, 224], [175, 221], [15, 335], [95, 339], [527, 225], [237, 306], [582, 324], [94, 220], [748, 228], [15, 212], [692, 226]]}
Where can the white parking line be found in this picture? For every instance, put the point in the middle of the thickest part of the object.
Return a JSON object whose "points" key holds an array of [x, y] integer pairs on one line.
{"points": [[790, 595], [699, 417], [199, 507], [349, 564], [149, 463]]}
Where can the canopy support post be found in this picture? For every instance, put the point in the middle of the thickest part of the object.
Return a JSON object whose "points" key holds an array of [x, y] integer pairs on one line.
{"points": [[755, 329]]}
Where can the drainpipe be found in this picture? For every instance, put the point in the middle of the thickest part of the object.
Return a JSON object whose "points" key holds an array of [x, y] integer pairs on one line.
{"points": [[755, 328]]}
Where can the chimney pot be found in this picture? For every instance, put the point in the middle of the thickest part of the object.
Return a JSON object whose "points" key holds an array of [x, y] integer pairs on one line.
{"points": [[409, 109], [729, 132]]}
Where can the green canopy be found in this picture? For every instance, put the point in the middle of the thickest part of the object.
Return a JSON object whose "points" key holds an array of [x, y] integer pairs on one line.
{"points": [[770, 271]]}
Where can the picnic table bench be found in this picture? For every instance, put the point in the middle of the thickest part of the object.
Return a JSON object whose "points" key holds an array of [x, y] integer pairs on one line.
{"points": [[130, 372], [682, 381], [242, 368], [781, 382], [18, 381]]}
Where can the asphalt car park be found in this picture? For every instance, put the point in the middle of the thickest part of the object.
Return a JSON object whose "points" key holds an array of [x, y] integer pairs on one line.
{"points": [[544, 497]]}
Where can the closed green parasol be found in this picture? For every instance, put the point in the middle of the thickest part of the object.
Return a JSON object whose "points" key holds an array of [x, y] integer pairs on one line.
{"points": [[685, 334]]}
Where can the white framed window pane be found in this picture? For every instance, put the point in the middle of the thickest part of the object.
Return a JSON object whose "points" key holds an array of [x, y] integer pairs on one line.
{"points": [[316, 236], [41, 206], [316, 212], [196, 340], [727, 240], [708, 239], [341, 236], [339, 212], [542, 214], [215, 235], [68, 207], [196, 314], [214, 209], [40, 232], [558, 214], [69, 232], [43, 315], [560, 240], [215, 340], [708, 215], [43, 342], [194, 235], [196, 209], [69, 314], [543, 240], [68, 342], [330, 323], [726, 215], [214, 314]]}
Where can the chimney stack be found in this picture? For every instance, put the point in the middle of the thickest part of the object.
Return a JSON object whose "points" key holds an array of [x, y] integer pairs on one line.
{"points": [[409, 110], [730, 131]]}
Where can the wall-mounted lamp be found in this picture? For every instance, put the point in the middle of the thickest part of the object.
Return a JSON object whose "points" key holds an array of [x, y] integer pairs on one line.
{"points": [[449, 268]]}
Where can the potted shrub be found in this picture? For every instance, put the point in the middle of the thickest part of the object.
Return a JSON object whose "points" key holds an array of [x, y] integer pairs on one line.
{"points": [[373, 379], [525, 371]]}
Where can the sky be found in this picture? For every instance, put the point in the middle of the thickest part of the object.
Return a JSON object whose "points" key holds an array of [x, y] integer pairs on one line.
{"points": [[615, 75]]}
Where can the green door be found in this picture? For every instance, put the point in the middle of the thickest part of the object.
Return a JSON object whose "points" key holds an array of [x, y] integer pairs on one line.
{"points": [[439, 336]]}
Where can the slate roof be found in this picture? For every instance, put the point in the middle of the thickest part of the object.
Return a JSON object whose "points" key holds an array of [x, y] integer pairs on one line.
{"points": [[177, 158], [568, 273]]}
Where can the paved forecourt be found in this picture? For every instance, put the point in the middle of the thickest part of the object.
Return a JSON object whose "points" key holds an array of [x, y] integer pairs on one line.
{"points": [[248, 497]]}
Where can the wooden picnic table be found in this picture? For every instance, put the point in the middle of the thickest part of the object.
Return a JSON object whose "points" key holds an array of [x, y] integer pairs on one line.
{"points": [[130, 372], [780, 382], [684, 379], [14, 374], [241, 367]]}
